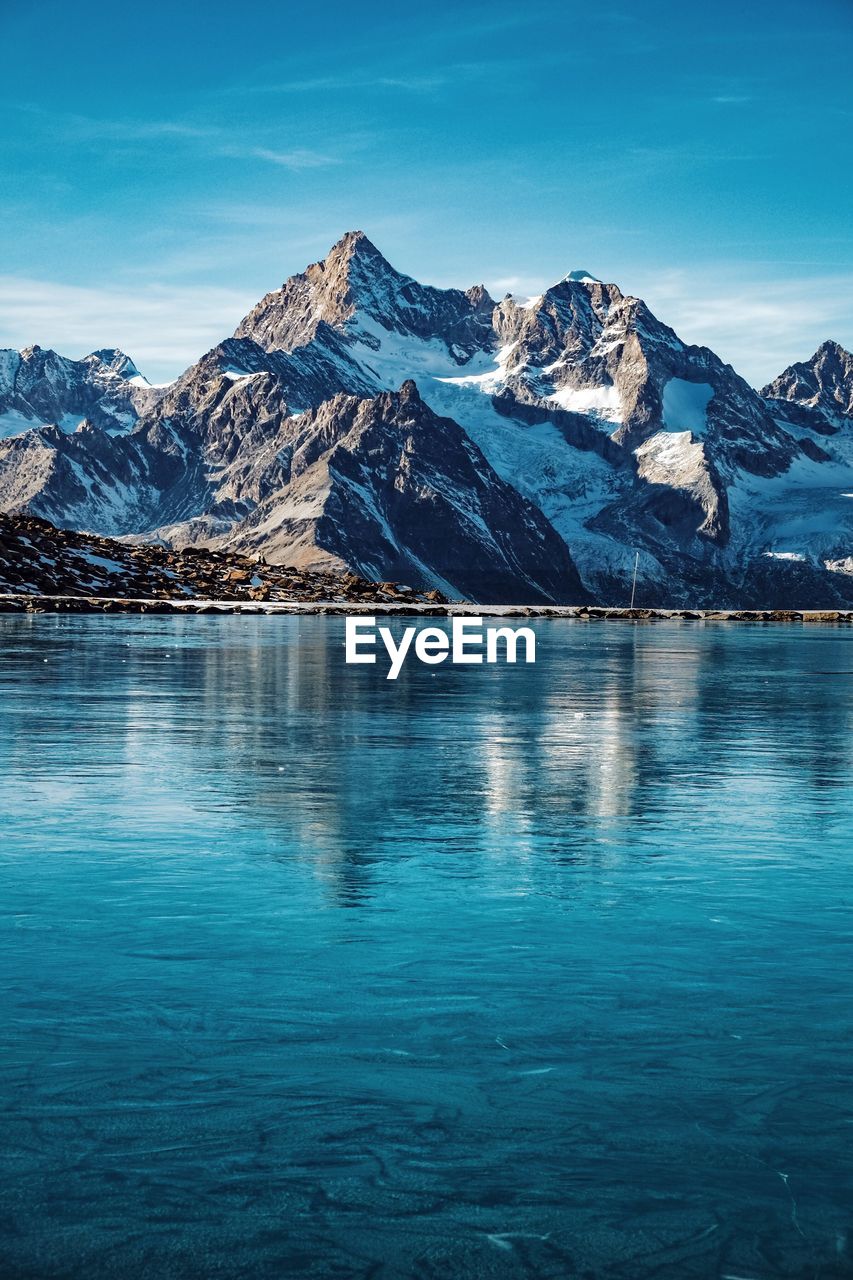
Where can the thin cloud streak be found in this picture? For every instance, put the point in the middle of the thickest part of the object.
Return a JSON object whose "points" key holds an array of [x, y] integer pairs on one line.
{"points": [[444, 76], [296, 160], [214, 140], [345, 83], [81, 128], [758, 326], [163, 328], [520, 286]]}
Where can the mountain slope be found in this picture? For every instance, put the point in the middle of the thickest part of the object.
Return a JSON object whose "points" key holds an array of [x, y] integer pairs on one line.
{"points": [[387, 487]]}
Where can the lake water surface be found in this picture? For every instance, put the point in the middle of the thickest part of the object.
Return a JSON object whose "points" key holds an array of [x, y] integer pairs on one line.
{"points": [[489, 972]]}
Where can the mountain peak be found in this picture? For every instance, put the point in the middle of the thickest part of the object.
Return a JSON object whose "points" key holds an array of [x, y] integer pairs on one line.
{"points": [[111, 355], [581, 277], [824, 382], [478, 295], [832, 348], [114, 361], [356, 246], [355, 240], [357, 293]]}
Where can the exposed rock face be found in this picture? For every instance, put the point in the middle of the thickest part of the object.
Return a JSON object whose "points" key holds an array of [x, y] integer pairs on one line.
{"points": [[388, 487], [510, 451]]}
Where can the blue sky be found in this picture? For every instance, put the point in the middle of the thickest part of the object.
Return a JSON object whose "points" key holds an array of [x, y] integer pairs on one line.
{"points": [[164, 165]]}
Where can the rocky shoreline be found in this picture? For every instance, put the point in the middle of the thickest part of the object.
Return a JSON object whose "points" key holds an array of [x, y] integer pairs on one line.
{"points": [[48, 570], [35, 604]]}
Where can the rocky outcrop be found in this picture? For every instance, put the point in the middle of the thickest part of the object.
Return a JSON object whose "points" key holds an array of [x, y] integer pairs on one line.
{"points": [[37, 559]]}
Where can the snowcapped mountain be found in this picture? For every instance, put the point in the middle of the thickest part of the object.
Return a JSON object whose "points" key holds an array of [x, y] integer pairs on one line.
{"points": [[823, 384], [518, 450], [356, 292], [39, 387]]}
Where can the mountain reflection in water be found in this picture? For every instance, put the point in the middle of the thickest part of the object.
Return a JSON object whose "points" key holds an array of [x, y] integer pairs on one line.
{"points": [[500, 971]]}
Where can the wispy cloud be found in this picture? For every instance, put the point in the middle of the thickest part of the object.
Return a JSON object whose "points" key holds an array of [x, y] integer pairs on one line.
{"points": [[300, 158], [521, 285], [163, 327], [760, 326], [142, 130], [345, 82], [213, 140], [441, 76], [73, 126]]}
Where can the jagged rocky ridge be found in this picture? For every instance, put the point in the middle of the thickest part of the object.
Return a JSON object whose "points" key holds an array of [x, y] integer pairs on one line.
{"points": [[509, 451], [37, 559], [39, 387]]}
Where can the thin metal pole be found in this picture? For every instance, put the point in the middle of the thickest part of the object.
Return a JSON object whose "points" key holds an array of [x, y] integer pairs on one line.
{"points": [[634, 583]]}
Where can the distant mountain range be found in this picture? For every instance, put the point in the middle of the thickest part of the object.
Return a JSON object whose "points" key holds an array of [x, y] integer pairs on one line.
{"points": [[510, 451]]}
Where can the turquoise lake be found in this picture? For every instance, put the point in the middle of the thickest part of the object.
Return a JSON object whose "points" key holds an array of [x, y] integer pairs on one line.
{"points": [[532, 971]]}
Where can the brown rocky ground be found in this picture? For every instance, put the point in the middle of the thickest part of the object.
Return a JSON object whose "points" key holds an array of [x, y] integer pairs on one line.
{"points": [[39, 560]]}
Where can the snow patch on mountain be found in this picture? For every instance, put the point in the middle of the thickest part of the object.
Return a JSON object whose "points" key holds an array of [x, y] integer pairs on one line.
{"points": [[603, 401], [14, 423], [237, 375], [845, 565], [568, 485], [685, 405], [391, 357], [804, 508]]}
